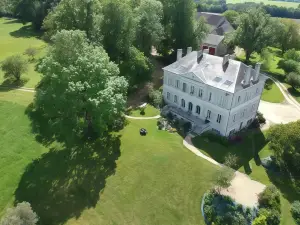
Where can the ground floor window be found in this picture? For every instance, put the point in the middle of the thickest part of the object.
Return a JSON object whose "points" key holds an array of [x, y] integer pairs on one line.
{"points": [[241, 125], [219, 118], [231, 132], [198, 109], [249, 122], [208, 114], [175, 98], [182, 103], [190, 106], [168, 95]]}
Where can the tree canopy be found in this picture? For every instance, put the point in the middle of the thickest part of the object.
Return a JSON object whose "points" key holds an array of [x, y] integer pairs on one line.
{"points": [[287, 34], [254, 32], [284, 142], [80, 92], [182, 30]]}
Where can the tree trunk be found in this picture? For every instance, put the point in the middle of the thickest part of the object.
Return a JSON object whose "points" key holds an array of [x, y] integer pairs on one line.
{"points": [[248, 54]]}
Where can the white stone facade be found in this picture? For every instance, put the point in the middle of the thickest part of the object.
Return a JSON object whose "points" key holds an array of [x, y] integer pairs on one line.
{"points": [[225, 111]]}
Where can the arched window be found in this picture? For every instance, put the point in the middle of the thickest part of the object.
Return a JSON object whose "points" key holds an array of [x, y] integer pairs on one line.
{"points": [[182, 103], [198, 109], [190, 106]]}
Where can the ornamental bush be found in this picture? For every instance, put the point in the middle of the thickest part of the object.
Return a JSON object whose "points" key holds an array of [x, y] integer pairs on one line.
{"points": [[270, 198]]}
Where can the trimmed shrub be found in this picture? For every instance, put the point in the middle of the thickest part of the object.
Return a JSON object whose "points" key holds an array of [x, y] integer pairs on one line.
{"points": [[231, 160], [270, 198], [295, 210], [261, 118]]}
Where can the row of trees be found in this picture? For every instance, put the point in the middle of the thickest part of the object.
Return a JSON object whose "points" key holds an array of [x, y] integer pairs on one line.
{"points": [[256, 30], [273, 10]]}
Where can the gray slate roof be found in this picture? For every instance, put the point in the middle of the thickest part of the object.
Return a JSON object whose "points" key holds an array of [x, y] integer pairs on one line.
{"points": [[213, 39], [219, 25], [210, 71]]}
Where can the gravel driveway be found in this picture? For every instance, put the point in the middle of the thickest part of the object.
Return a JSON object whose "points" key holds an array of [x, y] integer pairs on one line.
{"points": [[279, 113]]}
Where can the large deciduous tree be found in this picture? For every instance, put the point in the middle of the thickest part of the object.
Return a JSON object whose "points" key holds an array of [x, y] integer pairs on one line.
{"points": [[80, 92], [149, 26], [287, 34], [181, 28], [284, 142], [34, 10], [254, 32], [73, 15]]}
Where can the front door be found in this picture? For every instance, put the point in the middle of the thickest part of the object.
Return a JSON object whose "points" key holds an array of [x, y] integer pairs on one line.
{"points": [[212, 51]]}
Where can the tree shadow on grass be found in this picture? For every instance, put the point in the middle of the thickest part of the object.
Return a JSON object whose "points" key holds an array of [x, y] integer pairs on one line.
{"points": [[66, 180], [63, 182], [12, 21], [26, 32], [252, 142], [295, 93], [12, 83]]}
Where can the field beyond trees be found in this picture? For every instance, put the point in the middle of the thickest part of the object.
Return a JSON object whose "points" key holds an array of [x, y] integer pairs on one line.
{"points": [[267, 2]]}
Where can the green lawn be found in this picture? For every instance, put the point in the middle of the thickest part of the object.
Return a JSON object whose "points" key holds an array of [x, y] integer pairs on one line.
{"points": [[15, 38], [149, 112], [267, 2], [254, 141], [272, 93], [131, 180]]}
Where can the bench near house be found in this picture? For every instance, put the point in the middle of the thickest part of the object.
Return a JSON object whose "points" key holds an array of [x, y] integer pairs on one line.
{"points": [[212, 92]]}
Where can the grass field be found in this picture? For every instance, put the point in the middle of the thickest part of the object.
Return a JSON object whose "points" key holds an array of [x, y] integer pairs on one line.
{"points": [[252, 142], [267, 2], [15, 38], [149, 111], [272, 93], [143, 180]]}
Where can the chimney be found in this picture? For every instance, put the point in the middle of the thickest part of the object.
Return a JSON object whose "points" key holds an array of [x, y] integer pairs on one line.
{"points": [[247, 77], [189, 50], [257, 72], [226, 59], [205, 51], [179, 54], [199, 55]]}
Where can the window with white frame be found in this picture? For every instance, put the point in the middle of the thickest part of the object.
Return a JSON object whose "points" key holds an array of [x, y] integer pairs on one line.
{"points": [[182, 103], [210, 94], [170, 81], [239, 98], [234, 117], [177, 83], [219, 118], [198, 109], [192, 90], [175, 99], [208, 114], [190, 106], [184, 87], [256, 90], [200, 93], [253, 107], [168, 95]]}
